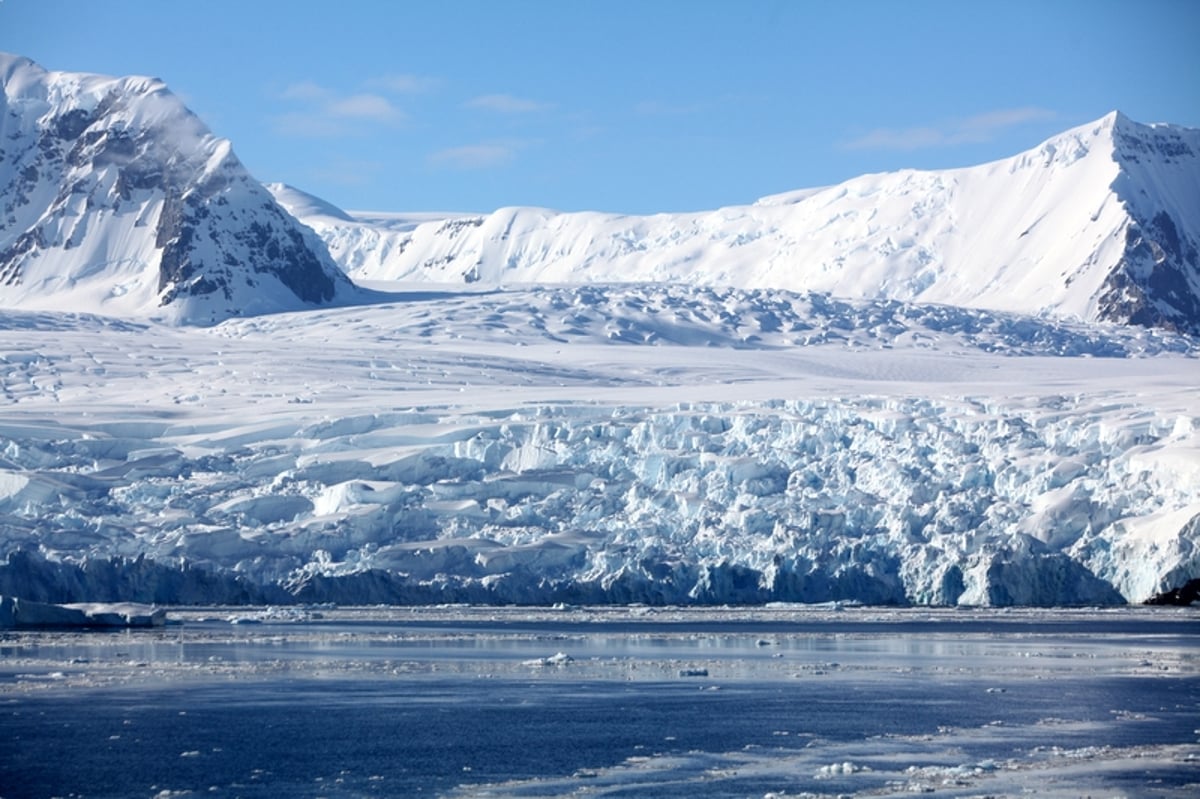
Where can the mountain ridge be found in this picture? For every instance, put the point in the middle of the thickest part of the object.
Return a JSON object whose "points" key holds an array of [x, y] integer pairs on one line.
{"points": [[116, 199], [1095, 223]]}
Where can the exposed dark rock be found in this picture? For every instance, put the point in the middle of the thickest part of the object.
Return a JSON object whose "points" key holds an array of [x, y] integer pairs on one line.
{"points": [[72, 124], [1157, 281], [1186, 594], [10, 259]]}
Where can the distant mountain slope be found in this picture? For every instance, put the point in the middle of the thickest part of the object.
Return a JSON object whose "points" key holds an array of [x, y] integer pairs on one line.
{"points": [[1101, 222], [115, 198], [363, 243]]}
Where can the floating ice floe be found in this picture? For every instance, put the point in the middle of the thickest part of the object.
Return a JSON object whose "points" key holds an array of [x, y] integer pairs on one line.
{"points": [[557, 659], [16, 613]]}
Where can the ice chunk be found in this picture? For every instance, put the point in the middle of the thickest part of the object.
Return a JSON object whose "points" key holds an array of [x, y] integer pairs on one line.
{"points": [[557, 659], [16, 612]]}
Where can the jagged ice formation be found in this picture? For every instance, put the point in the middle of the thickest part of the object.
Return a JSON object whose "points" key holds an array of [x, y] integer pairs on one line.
{"points": [[441, 448]]}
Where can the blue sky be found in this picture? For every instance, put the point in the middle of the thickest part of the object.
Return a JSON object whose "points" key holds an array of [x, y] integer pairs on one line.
{"points": [[634, 107]]}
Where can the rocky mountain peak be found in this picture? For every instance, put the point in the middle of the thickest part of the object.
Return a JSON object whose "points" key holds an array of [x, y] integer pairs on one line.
{"points": [[115, 197], [1155, 281]]}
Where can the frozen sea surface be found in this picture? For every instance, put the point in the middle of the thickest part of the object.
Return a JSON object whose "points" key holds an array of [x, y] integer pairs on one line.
{"points": [[612, 702]]}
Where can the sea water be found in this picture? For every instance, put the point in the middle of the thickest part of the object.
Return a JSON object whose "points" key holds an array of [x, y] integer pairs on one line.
{"points": [[630, 702]]}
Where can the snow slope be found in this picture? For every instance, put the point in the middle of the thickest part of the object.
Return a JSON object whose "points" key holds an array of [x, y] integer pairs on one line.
{"points": [[114, 198], [1101, 222], [363, 242], [599, 443]]}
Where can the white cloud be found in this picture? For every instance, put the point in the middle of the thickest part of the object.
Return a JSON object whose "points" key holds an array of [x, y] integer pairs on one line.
{"points": [[348, 172], [506, 104], [310, 125], [994, 121], [324, 113], [404, 84], [969, 130], [364, 106], [474, 156], [306, 91]]}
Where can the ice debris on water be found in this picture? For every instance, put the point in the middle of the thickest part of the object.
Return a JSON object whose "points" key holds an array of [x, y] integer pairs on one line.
{"points": [[839, 769], [557, 659], [16, 612]]}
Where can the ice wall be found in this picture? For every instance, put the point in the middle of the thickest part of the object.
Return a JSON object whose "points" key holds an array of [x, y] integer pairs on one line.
{"points": [[877, 500]]}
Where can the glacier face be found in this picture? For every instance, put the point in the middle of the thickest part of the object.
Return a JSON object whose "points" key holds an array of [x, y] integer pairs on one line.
{"points": [[115, 198], [599, 443], [1098, 223]]}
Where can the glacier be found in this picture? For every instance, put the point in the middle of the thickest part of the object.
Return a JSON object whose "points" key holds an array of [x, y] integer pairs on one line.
{"points": [[605, 443]]}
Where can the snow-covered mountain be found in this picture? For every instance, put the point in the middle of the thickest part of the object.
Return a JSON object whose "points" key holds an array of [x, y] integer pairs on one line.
{"points": [[362, 242], [1101, 222], [115, 198], [659, 420]]}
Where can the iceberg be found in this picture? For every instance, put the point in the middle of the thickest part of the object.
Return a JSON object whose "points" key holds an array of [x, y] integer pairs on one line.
{"points": [[18, 613]]}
